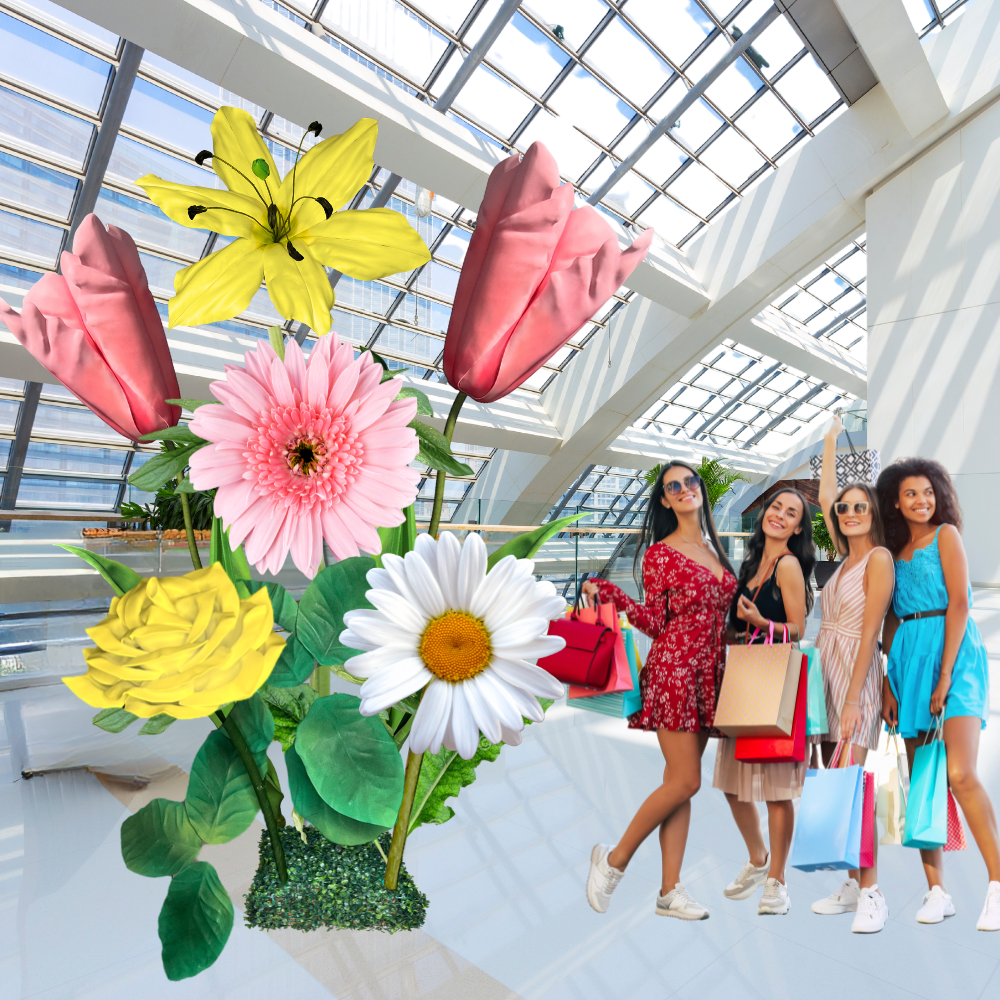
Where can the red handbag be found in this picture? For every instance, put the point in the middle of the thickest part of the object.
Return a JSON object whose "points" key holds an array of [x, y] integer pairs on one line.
{"points": [[780, 749], [588, 655]]}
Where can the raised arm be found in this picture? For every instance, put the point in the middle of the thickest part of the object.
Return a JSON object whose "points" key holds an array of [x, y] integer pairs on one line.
{"points": [[879, 580], [956, 581], [649, 618], [828, 481]]}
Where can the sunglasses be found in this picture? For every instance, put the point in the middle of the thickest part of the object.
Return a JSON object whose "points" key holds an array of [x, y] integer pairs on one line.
{"points": [[861, 507], [675, 485]]}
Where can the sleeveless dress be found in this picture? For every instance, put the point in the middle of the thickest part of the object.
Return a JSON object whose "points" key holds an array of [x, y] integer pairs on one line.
{"points": [[777, 782], [918, 645], [683, 672], [843, 608]]}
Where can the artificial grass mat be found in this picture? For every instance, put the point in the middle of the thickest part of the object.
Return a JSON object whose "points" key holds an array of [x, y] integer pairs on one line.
{"points": [[331, 886]]}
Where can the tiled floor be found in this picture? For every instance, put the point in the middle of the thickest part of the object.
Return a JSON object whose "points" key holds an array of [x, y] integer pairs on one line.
{"points": [[508, 916]]}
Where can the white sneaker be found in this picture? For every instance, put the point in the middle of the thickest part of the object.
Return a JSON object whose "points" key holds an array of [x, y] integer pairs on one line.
{"points": [[873, 912], [775, 899], [746, 882], [602, 880], [843, 900], [679, 903], [937, 906], [989, 919]]}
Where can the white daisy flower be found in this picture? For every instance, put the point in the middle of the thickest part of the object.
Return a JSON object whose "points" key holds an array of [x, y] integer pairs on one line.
{"points": [[468, 636]]}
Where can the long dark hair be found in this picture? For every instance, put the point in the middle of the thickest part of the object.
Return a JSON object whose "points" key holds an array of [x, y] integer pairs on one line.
{"points": [[946, 507], [801, 546], [661, 521], [877, 532]]}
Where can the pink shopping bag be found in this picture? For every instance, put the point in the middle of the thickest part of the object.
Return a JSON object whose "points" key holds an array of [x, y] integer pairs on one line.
{"points": [[867, 858], [956, 832], [620, 678]]}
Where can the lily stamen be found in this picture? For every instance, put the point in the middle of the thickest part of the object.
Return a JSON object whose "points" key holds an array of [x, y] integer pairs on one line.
{"points": [[207, 154]]}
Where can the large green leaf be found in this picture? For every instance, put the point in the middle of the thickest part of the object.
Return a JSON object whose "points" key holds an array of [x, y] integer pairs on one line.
{"points": [[113, 720], [166, 465], [159, 839], [525, 546], [285, 609], [294, 665], [220, 800], [156, 725], [443, 775], [288, 707], [193, 404], [119, 577], [255, 722], [233, 562], [180, 434], [195, 921], [424, 407], [333, 825], [352, 760], [335, 591], [401, 539], [435, 450]]}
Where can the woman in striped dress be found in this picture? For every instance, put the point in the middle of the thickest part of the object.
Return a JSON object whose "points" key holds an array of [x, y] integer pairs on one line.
{"points": [[854, 603]]}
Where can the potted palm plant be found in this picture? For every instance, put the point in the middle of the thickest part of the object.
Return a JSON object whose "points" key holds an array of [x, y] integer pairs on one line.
{"points": [[823, 569]]}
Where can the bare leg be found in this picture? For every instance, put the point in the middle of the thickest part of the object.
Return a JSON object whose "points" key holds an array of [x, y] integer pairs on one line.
{"points": [[961, 737], [673, 840], [780, 824], [748, 822], [933, 861], [682, 779]]}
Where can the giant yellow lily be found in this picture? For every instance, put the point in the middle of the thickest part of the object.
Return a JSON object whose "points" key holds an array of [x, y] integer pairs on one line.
{"points": [[285, 232]]}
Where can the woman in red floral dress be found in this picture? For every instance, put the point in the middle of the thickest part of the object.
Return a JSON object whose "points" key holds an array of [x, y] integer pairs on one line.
{"points": [[689, 586]]}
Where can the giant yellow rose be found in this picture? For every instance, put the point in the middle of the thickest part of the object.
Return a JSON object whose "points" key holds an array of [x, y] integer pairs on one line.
{"points": [[180, 646]]}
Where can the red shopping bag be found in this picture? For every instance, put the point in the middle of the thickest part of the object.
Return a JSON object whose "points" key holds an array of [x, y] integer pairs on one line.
{"points": [[867, 857], [620, 677], [956, 832], [780, 749], [587, 657]]}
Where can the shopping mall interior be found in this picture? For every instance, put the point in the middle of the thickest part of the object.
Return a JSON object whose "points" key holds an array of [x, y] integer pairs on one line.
{"points": [[815, 189]]}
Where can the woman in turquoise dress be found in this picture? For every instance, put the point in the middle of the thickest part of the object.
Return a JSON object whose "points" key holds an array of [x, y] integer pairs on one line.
{"points": [[937, 660]]}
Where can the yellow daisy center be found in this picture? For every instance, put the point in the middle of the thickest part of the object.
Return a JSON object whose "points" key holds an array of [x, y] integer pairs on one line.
{"points": [[456, 646]]}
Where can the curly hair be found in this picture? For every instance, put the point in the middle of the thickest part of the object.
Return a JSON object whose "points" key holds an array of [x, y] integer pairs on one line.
{"points": [[946, 506]]}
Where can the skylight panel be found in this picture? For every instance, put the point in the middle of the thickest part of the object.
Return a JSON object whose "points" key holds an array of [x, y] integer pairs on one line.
{"points": [[28, 240], [768, 125], [577, 18], [589, 105], [131, 160], [526, 54], [678, 27], [733, 158], [734, 88], [68, 23], [663, 159], [450, 14], [39, 189], [41, 130], [668, 219], [493, 102], [699, 190], [628, 63], [167, 118], [807, 89], [148, 226]]}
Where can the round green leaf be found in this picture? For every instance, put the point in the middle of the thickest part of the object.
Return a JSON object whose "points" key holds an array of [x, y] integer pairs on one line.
{"points": [[195, 921], [294, 665], [351, 760], [335, 591], [331, 824], [159, 839], [255, 723], [220, 800]]}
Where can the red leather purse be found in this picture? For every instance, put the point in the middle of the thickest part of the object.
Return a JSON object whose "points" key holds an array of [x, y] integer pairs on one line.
{"points": [[588, 655]]}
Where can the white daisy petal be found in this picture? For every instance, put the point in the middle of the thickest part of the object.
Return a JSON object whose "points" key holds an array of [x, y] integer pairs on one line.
{"points": [[527, 705], [398, 609], [431, 716], [438, 738], [367, 663], [519, 632], [421, 578], [352, 641], [427, 547], [449, 554], [483, 710], [510, 736], [494, 691], [380, 579], [395, 566], [537, 649], [392, 683], [471, 571], [374, 627], [515, 604], [492, 587], [527, 676], [463, 730]]}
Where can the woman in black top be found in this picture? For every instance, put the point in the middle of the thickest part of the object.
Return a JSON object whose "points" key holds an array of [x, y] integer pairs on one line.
{"points": [[772, 590]]}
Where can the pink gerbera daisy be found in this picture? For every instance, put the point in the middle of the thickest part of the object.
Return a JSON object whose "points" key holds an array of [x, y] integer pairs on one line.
{"points": [[306, 450]]}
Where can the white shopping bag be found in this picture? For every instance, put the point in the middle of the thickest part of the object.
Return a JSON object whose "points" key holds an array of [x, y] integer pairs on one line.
{"points": [[893, 787]]}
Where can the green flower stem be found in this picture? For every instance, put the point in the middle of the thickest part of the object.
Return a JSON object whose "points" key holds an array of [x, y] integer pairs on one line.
{"points": [[260, 790], [186, 510], [413, 762], [321, 680], [439, 481]]}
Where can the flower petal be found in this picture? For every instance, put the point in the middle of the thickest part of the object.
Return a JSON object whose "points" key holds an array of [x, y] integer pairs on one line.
{"points": [[375, 628], [482, 710], [366, 243], [431, 720], [471, 571], [424, 584], [462, 734], [392, 683], [299, 289], [236, 143], [228, 212], [398, 609], [218, 287], [367, 664], [449, 554], [527, 677], [492, 587], [494, 692]]}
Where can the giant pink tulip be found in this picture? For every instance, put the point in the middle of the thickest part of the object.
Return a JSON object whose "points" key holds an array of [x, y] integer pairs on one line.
{"points": [[536, 270], [95, 327]]}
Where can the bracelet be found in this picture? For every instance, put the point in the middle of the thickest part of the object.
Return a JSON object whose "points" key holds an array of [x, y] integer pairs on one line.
{"points": [[857, 703]]}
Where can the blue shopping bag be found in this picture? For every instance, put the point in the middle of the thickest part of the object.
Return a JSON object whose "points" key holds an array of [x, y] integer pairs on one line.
{"points": [[828, 829], [927, 804], [620, 704], [816, 722]]}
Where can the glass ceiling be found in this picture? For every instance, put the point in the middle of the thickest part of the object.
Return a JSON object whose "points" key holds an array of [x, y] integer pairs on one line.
{"points": [[588, 77], [929, 16]]}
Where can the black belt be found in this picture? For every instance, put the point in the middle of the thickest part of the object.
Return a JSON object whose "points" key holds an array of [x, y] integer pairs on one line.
{"points": [[936, 613]]}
